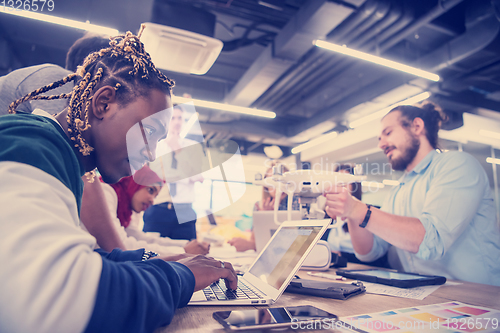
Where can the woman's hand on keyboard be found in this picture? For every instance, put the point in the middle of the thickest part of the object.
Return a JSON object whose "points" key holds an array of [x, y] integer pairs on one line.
{"points": [[208, 270]]}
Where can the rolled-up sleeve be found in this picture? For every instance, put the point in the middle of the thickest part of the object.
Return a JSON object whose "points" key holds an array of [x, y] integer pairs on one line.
{"points": [[455, 192], [379, 248]]}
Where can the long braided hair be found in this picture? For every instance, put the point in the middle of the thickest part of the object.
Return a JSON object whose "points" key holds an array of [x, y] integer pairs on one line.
{"points": [[124, 65]]}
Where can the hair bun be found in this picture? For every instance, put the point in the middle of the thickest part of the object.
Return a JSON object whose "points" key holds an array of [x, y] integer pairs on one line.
{"points": [[429, 107], [435, 110]]}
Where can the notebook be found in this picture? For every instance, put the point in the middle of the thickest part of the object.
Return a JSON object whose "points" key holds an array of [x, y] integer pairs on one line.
{"points": [[272, 271], [264, 226]]}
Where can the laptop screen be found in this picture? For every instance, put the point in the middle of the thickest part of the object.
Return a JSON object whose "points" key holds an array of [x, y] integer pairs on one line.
{"points": [[264, 226], [281, 256]]}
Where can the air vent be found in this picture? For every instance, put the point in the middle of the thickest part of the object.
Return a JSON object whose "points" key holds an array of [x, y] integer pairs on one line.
{"points": [[180, 50]]}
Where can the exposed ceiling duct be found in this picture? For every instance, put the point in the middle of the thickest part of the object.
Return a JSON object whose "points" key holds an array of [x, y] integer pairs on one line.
{"points": [[481, 31], [315, 19], [318, 68], [270, 62]]}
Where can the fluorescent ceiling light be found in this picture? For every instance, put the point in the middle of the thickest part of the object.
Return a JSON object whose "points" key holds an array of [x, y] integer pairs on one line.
{"points": [[225, 107], [490, 134], [270, 5], [315, 142], [62, 21], [372, 184], [383, 112], [493, 160], [390, 182], [377, 60]]}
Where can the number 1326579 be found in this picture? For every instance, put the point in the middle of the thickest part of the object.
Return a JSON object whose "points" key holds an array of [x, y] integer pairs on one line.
{"points": [[27, 5]]}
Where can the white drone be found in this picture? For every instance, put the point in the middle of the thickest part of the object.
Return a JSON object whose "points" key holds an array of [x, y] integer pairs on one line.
{"points": [[308, 185]]}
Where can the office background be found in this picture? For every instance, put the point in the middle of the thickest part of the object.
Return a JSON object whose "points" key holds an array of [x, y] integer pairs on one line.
{"points": [[268, 62]]}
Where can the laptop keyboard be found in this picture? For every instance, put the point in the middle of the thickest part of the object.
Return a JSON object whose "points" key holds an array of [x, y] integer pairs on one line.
{"points": [[218, 291]]}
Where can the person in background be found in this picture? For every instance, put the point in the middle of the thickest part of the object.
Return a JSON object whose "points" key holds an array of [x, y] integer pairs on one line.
{"points": [[173, 215], [94, 214], [440, 218], [127, 199], [269, 194], [266, 203], [52, 279]]}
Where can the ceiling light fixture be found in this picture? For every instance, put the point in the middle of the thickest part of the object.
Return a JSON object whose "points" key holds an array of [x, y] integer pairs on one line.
{"points": [[376, 60], [390, 182], [489, 134], [383, 112], [62, 21], [268, 4], [372, 184], [314, 142], [492, 160], [224, 107]]}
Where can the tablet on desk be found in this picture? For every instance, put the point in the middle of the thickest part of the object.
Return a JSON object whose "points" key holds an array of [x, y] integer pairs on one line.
{"points": [[396, 279]]}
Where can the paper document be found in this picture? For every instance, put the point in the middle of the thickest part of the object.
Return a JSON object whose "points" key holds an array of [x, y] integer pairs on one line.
{"points": [[414, 293]]}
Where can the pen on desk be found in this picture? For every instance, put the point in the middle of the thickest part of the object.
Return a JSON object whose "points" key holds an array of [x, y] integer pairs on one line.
{"points": [[327, 276]]}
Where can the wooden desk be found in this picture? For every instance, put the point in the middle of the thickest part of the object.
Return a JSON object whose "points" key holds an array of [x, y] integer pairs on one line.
{"points": [[199, 318]]}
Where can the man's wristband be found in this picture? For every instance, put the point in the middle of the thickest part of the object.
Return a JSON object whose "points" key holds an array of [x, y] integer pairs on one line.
{"points": [[367, 216]]}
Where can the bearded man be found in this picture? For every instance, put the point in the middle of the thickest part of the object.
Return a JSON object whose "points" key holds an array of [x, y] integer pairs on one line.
{"points": [[441, 218]]}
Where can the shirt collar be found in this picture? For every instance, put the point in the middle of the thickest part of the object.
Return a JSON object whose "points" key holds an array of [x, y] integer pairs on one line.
{"points": [[40, 112], [422, 166]]}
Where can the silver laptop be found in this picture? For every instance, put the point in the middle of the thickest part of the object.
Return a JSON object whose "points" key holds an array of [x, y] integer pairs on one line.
{"points": [[264, 226], [273, 269]]}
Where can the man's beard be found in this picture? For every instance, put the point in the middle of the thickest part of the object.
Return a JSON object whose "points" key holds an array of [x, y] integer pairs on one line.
{"points": [[407, 156]]}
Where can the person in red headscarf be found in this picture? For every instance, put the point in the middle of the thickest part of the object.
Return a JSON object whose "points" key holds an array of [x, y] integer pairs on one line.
{"points": [[129, 197]]}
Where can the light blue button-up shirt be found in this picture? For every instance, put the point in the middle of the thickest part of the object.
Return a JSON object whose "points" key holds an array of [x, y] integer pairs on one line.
{"points": [[450, 194]]}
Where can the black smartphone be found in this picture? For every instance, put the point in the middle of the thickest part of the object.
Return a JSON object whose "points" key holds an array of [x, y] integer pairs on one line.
{"points": [[396, 279], [296, 317], [211, 218]]}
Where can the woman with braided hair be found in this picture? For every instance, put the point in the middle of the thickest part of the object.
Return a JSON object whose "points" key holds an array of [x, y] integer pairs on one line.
{"points": [[52, 280], [94, 213]]}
